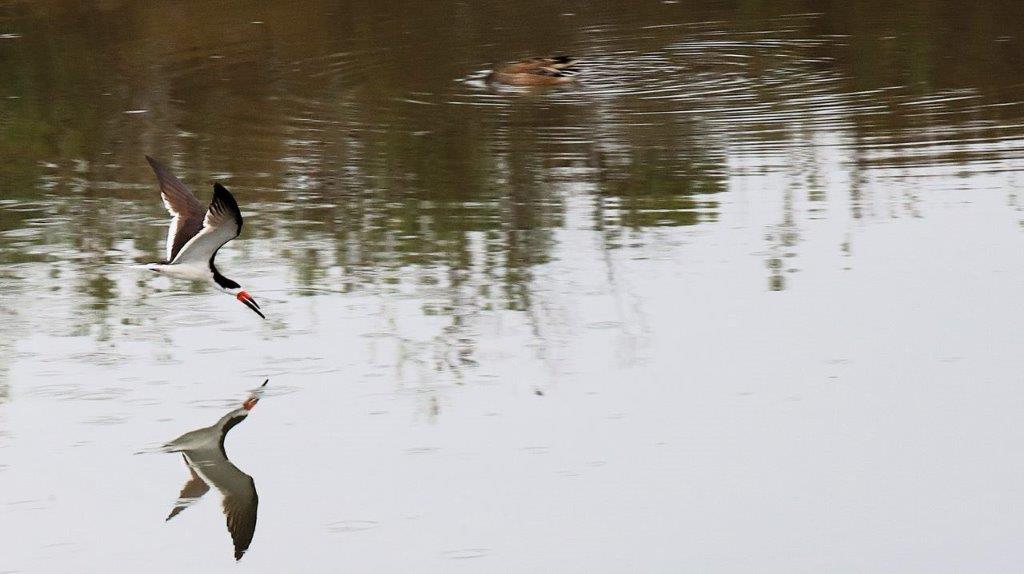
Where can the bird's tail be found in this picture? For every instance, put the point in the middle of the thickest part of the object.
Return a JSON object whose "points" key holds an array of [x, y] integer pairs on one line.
{"points": [[156, 449]]}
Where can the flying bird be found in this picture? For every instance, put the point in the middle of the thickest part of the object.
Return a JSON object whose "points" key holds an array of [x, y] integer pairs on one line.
{"points": [[197, 233], [208, 465]]}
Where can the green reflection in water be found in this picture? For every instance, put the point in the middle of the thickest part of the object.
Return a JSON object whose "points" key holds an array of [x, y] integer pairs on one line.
{"points": [[350, 131]]}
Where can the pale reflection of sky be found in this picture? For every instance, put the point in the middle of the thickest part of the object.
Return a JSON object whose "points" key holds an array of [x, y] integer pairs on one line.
{"points": [[863, 417]]}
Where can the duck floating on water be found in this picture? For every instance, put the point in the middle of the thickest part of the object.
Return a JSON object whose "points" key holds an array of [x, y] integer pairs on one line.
{"points": [[538, 71]]}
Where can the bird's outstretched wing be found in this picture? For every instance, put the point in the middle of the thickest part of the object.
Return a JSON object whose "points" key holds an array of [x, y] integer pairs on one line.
{"points": [[222, 223], [186, 211], [193, 490]]}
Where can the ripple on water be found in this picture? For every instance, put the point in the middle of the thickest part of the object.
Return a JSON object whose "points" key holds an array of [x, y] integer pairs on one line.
{"points": [[421, 450], [346, 526], [107, 420], [466, 553], [756, 88]]}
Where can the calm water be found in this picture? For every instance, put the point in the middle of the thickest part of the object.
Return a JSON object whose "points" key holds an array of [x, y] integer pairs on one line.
{"points": [[747, 298]]}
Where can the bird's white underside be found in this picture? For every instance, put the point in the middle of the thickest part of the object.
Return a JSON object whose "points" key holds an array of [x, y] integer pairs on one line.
{"points": [[170, 232], [201, 248], [189, 271]]}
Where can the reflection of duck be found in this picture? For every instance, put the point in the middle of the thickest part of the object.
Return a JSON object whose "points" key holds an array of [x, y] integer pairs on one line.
{"points": [[208, 464], [547, 71]]}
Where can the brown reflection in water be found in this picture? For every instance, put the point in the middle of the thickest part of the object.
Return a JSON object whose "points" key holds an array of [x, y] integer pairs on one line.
{"points": [[345, 125]]}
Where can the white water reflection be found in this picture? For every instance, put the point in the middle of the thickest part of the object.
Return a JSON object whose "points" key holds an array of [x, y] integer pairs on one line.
{"points": [[703, 396]]}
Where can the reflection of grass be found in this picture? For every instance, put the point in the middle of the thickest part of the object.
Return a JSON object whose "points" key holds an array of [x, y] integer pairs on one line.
{"points": [[357, 177], [653, 191]]}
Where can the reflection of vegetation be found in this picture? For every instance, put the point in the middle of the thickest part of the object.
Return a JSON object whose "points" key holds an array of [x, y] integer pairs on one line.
{"points": [[651, 191], [782, 239], [341, 123], [11, 333]]}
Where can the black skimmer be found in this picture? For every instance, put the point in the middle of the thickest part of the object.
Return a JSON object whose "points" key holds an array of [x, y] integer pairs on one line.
{"points": [[208, 465], [197, 233]]}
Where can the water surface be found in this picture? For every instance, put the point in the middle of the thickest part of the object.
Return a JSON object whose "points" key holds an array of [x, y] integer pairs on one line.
{"points": [[746, 298]]}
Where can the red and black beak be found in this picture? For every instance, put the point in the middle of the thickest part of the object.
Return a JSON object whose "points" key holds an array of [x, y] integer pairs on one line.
{"points": [[255, 397], [250, 303]]}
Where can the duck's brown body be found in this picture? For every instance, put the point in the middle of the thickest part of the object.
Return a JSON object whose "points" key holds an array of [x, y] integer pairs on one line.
{"points": [[547, 71]]}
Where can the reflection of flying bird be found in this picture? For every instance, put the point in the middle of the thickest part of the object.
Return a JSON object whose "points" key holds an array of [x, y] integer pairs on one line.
{"points": [[546, 71], [208, 465], [196, 233]]}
